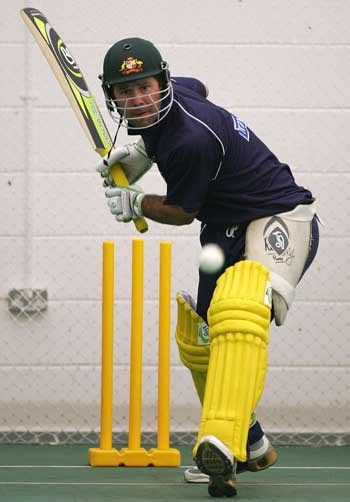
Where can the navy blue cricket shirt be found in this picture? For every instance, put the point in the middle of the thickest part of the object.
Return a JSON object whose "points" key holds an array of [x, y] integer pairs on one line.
{"points": [[214, 164]]}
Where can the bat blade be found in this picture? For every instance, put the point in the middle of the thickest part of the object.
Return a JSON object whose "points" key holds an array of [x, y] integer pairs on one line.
{"points": [[74, 86]]}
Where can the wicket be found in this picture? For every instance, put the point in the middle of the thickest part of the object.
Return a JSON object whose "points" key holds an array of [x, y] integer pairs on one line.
{"points": [[134, 455]]}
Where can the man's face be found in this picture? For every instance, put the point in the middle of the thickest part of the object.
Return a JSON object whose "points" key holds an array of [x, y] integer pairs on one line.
{"points": [[139, 100]]}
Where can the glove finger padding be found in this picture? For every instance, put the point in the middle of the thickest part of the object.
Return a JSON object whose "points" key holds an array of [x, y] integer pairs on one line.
{"points": [[125, 203], [109, 160], [133, 159], [114, 201], [126, 206]]}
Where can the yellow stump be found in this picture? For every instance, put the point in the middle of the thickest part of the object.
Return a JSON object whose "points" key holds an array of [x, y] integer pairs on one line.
{"points": [[134, 455], [106, 455], [164, 345], [163, 455]]}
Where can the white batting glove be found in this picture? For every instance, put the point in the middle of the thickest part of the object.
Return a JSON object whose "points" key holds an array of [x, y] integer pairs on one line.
{"points": [[133, 158], [125, 203]]}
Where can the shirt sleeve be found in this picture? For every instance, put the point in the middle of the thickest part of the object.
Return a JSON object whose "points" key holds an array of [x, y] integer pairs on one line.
{"points": [[189, 172], [191, 83]]}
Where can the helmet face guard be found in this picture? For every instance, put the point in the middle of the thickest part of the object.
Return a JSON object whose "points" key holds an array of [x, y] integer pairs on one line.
{"points": [[161, 102], [129, 60]]}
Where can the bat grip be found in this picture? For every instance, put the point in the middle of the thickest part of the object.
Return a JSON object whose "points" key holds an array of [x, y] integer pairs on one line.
{"points": [[121, 180]]}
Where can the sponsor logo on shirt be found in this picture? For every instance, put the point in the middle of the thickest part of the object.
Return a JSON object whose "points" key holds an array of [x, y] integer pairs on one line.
{"points": [[231, 231], [240, 127]]}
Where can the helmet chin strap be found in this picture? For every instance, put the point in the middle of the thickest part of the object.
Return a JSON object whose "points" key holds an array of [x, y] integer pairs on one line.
{"points": [[114, 141]]}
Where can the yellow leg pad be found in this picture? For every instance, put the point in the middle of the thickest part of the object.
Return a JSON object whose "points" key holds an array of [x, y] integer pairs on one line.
{"points": [[193, 342], [239, 318]]}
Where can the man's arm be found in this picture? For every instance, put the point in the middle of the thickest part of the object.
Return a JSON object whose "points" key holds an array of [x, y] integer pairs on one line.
{"points": [[127, 204], [153, 207]]}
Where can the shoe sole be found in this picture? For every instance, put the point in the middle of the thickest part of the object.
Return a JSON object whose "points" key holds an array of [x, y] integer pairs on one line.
{"points": [[212, 461]]}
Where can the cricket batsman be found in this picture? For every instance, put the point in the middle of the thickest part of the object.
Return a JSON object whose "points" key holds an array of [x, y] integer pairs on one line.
{"points": [[219, 172]]}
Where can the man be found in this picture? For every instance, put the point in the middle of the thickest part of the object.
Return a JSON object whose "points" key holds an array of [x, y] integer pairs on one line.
{"points": [[219, 172]]}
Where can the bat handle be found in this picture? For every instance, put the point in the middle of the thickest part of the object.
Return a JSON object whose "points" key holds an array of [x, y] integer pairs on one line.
{"points": [[121, 180]]}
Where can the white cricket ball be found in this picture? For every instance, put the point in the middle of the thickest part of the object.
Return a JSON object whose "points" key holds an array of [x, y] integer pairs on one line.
{"points": [[211, 258]]}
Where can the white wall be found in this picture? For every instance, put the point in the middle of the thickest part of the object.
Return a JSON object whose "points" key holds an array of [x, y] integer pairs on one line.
{"points": [[284, 67]]}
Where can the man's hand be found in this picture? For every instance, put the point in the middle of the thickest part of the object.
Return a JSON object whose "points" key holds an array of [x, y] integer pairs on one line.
{"points": [[133, 158], [125, 203]]}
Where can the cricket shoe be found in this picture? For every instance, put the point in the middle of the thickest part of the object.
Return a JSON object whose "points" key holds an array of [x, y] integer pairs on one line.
{"points": [[216, 460], [261, 455]]}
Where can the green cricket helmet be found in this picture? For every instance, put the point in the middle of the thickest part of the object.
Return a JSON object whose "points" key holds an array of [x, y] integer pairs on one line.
{"points": [[132, 59]]}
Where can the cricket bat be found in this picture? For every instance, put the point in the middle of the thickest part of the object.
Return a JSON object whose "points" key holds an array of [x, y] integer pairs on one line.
{"points": [[75, 88]]}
